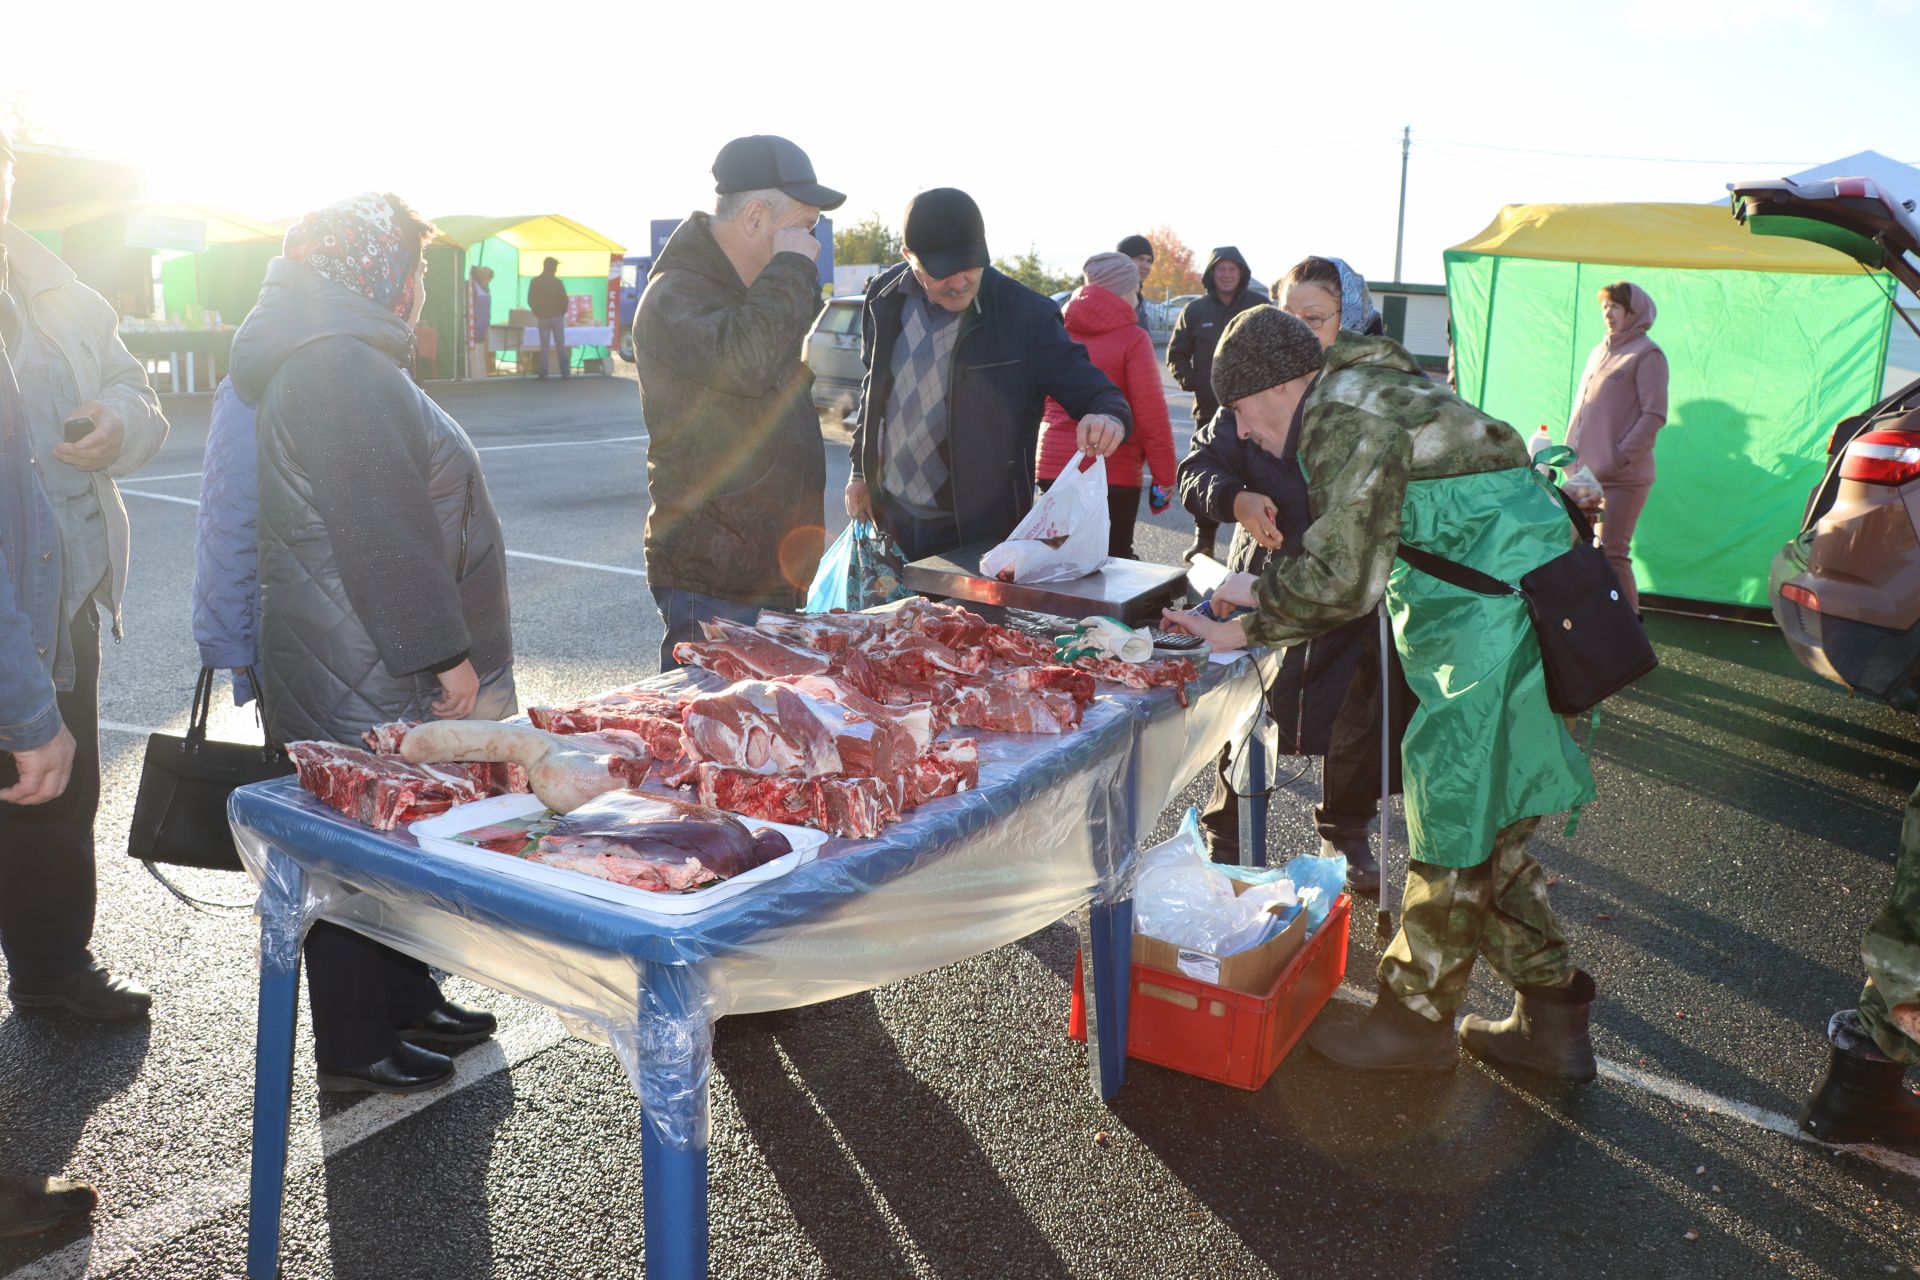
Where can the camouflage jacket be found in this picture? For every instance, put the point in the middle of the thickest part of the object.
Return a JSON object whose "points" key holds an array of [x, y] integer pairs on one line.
{"points": [[1370, 424]]}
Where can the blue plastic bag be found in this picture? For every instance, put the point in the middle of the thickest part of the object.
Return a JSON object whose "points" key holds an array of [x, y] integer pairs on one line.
{"points": [[861, 569]]}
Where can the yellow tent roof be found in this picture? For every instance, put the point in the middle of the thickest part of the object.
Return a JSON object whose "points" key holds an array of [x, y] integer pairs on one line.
{"points": [[223, 226], [582, 251], [1701, 237]]}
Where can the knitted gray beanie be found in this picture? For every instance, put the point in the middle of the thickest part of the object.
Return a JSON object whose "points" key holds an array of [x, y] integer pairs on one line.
{"points": [[1262, 347], [1114, 272]]}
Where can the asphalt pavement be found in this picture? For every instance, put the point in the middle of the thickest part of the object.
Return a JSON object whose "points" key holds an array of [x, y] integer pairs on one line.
{"points": [[1745, 832]]}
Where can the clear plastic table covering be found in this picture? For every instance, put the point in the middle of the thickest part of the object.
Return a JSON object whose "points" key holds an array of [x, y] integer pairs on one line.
{"points": [[1055, 823]]}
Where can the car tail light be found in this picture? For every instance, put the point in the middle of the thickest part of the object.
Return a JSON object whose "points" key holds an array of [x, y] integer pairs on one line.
{"points": [[1801, 596], [1882, 457]]}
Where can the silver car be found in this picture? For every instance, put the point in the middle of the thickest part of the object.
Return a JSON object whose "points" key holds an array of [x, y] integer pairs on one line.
{"points": [[833, 353]]}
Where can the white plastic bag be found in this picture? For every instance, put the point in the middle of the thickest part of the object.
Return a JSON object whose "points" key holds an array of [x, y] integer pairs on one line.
{"points": [[1581, 487], [1182, 898], [1065, 535]]}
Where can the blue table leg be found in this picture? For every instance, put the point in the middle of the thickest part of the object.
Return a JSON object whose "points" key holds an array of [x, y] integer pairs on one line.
{"points": [[1253, 804], [1109, 935], [676, 1060], [273, 1062]]}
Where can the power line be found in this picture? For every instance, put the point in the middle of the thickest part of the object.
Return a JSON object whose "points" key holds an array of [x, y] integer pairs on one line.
{"points": [[1591, 155]]}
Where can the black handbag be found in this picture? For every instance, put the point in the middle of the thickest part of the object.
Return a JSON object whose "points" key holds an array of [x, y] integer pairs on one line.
{"points": [[1591, 642], [180, 813]]}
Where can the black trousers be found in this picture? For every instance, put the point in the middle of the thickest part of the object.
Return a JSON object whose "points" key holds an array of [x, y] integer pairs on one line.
{"points": [[362, 993], [46, 850], [1350, 773]]}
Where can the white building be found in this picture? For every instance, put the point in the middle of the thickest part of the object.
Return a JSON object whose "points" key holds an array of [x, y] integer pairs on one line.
{"points": [[1416, 316]]}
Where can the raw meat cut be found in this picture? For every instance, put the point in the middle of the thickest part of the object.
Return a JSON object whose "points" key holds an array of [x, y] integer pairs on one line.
{"points": [[1173, 673], [765, 728], [379, 791], [562, 776], [495, 778], [653, 842], [1001, 708], [652, 714], [1075, 683], [736, 651], [859, 808], [915, 718], [946, 768]]}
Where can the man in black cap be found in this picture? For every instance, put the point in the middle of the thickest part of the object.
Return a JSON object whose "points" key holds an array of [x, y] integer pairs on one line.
{"points": [[1228, 282], [547, 299], [736, 470], [1140, 249], [960, 361]]}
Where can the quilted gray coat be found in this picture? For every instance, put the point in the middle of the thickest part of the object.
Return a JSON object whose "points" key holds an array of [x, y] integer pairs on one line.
{"points": [[380, 556]]}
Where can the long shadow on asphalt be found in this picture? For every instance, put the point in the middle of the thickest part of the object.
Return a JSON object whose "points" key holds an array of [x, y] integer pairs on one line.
{"points": [[950, 1200], [431, 1169], [56, 1070]]}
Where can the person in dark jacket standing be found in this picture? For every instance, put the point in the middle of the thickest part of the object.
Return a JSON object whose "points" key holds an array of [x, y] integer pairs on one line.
{"points": [[383, 581], [736, 469], [1190, 350], [1140, 249], [1324, 699], [547, 299], [960, 362], [36, 750]]}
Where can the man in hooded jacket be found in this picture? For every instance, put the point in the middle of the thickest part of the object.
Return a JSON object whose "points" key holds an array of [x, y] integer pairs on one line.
{"points": [[1227, 281]]}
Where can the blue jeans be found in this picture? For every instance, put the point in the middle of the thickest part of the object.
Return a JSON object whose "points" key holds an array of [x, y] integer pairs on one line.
{"points": [[553, 329], [684, 611]]}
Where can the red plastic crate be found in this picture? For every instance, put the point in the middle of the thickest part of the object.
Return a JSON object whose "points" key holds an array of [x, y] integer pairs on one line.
{"points": [[1208, 1031]]}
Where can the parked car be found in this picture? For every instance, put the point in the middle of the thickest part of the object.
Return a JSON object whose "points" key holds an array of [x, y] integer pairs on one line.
{"points": [[833, 353], [1846, 590]]}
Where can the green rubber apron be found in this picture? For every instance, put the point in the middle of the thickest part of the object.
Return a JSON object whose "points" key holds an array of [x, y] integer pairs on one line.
{"points": [[1485, 749]]}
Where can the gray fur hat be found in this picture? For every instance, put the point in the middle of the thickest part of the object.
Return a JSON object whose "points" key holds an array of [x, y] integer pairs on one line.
{"points": [[1262, 347]]}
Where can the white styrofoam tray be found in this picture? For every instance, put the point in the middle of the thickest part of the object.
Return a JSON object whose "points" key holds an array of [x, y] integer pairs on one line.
{"points": [[434, 836]]}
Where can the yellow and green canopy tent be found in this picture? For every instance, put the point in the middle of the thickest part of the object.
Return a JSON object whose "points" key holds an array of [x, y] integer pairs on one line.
{"points": [[214, 257], [515, 246], [1771, 342]]}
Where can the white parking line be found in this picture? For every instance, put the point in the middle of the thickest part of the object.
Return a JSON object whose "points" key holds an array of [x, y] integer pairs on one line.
{"points": [[555, 444], [184, 475], [116, 726], [119, 1241], [580, 564], [1693, 1098], [162, 497], [521, 555]]}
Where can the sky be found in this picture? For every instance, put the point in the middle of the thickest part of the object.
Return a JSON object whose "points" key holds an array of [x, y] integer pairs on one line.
{"points": [[1274, 128]]}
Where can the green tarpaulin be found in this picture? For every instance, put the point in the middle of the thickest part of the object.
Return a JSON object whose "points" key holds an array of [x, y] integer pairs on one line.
{"points": [[1770, 342]]}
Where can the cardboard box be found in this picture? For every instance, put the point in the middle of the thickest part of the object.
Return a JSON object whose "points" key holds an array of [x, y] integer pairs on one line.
{"points": [[1248, 972]]}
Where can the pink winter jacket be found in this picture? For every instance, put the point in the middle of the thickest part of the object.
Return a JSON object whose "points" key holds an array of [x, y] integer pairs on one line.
{"points": [[1107, 327], [1623, 400]]}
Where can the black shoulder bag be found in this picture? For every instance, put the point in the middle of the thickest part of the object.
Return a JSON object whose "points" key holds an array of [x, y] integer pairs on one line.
{"points": [[180, 813], [1590, 641]]}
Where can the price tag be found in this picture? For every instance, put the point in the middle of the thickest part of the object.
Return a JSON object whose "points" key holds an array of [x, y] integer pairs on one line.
{"points": [[1199, 966]]}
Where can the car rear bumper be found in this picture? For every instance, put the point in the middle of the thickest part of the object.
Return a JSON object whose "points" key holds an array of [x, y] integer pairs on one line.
{"points": [[1876, 661]]}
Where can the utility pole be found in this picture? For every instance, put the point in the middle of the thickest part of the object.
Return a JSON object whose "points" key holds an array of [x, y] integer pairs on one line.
{"points": [[1400, 232]]}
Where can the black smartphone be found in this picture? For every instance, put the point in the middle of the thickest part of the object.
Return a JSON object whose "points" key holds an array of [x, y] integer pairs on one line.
{"points": [[76, 429]]}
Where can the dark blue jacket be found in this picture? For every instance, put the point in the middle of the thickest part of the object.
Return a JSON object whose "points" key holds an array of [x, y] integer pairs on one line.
{"points": [[226, 574], [1012, 352], [29, 584]]}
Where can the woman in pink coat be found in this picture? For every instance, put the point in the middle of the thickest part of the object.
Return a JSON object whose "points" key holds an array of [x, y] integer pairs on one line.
{"points": [[1100, 317], [1622, 406]]}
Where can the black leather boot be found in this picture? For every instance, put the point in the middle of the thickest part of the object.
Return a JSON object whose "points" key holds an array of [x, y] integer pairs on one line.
{"points": [[34, 1206], [92, 992], [1363, 869], [450, 1024], [1204, 532], [1391, 1037], [1546, 1032], [1860, 1099]]}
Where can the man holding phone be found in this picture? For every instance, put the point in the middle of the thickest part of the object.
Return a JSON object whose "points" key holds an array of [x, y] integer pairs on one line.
{"points": [[88, 416]]}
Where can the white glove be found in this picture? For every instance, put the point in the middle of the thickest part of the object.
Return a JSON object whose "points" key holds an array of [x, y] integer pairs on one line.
{"points": [[1104, 638]]}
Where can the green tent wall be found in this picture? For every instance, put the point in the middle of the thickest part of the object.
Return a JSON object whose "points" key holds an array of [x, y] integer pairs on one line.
{"points": [[1764, 364]]}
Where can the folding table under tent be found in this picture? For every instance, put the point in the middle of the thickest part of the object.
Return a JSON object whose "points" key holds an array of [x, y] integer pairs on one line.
{"points": [[515, 247], [1771, 342]]}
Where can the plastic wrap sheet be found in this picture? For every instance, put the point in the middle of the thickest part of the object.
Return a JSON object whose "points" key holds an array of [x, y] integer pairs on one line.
{"points": [[1053, 825]]}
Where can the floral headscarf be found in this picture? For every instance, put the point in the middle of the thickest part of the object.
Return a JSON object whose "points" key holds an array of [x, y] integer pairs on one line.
{"points": [[359, 243]]}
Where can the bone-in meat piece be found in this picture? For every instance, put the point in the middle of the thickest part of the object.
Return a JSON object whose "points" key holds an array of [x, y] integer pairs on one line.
{"points": [[736, 651], [650, 713], [494, 778], [563, 777], [1171, 673], [382, 792]]}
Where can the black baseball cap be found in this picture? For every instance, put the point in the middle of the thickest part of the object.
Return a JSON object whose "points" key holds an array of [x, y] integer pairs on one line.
{"points": [[946, 232], [761, 161]]}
